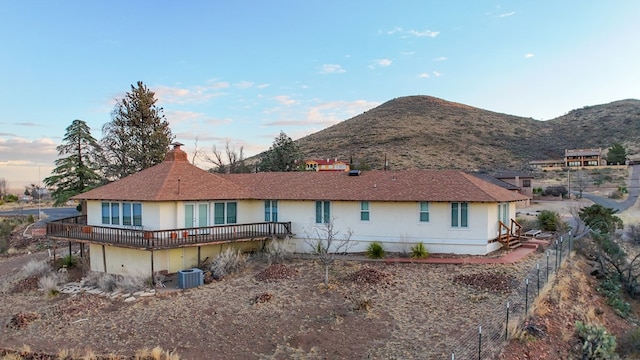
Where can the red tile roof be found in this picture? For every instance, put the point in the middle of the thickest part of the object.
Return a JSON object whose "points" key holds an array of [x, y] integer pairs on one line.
{"points": [[177, 179]]}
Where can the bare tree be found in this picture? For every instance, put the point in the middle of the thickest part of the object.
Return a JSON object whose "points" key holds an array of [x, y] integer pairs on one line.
{"points": [[326, 242], [196, 151], [3, 187], [233, 164]]}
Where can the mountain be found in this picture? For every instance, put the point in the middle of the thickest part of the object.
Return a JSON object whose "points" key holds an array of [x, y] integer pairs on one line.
{"points": [[427, 132]]}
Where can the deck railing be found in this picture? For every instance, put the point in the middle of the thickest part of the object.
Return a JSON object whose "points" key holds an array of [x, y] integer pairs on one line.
{"points": [[76, 229]]}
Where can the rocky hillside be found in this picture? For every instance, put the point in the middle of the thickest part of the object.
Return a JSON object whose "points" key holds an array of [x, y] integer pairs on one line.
{"points": [[427, 132]]}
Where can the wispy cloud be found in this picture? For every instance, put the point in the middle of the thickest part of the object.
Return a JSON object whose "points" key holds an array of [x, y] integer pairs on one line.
{"points": [[437, 74], [7, 134], [380, 63], [331, 69], [284, 100], [35, 151], [324, 114], [195, 94], [412, 32], [507, 14], [28, 124], [528, 55], [425, 33], [177, 116], [424, 75], [441, 58]]}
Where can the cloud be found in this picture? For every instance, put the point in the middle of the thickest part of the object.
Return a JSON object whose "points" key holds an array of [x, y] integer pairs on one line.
{"points": [[324, 114], [7, 134], [244, 84], [424, 75], [195, 94], [28, 124], [284, 100], [383, 62], [528, 55], [395, 30], [507, 14], [331, 69], [436, 74], [441, 58], [177, 116], [426, 33]]}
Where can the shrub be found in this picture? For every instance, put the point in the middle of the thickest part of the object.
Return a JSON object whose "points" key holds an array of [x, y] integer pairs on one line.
{"points": [[228, 262], [133, 282], [418, 251], [31, 219], [36, 268], [610, 288], [277, 251], [630, 343], [597, 343], [558, 190], [103, 281], [615, 195], [49, 283], [549, 220], [68, 262], [375, 250]]}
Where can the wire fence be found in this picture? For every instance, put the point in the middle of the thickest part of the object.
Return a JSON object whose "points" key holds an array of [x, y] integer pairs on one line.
{"points": [[487, 340]]}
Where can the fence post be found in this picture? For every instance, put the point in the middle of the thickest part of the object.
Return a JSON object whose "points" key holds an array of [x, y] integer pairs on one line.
{"points": [[479, 341], [547, 266], [556, 268], [526, 296], [538, 272], [506, 326], [560, 261]]}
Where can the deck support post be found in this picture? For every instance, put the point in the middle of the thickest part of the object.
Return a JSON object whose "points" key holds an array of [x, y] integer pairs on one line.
{"points": [[104, 258], [153, 278], [70, 249], [199, 247]]}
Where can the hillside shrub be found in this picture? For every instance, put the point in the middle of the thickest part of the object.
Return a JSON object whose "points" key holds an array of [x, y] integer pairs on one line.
{"points": [[611, 289], [597, 343], [375, 250], [549, 220], [418, 251], [227, 262], [558, 190]]}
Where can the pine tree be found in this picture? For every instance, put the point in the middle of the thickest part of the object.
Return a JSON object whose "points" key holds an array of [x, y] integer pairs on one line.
{"points": [[617, 154], [283, 155], [77, 172], [138, 135]]}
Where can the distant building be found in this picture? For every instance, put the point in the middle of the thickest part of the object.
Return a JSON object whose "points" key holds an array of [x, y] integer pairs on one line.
{"points": [[326, 165], [583, 157], [573, 158]]}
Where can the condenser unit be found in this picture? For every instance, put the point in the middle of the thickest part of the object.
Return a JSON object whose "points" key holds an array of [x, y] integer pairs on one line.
{"points": [[190, 278]]}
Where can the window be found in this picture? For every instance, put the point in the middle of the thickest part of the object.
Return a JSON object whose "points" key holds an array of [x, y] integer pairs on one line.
{"points": [[503, 213], [364, 211], [221, 208], [526, 183], [323, 212], [131, 214], [105, 213], [424, 211], [459, 215], [271, 210]]}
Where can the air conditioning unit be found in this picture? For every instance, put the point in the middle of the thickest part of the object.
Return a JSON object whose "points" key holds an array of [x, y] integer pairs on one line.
{"points": [[190, 278]]}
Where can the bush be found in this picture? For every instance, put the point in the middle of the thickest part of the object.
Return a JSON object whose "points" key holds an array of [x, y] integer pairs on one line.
{"points": [[597, 343], [418, 251], [375, 250], [49, 283], [103, 281], [36, 268], [277, 251], [31, 219], [68, 261], [549, 220], [611, 289], [630, 343], [558, 190], [227, 262], [133, 282]]}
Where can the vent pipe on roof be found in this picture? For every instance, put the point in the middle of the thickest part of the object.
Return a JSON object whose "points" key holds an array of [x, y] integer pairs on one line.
{"points": [[178, 186], [354, 172]]}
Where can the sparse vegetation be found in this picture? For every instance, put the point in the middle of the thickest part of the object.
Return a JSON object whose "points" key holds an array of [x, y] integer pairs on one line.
{"points": [[549, 220], [230, 261], [418, 251], [375, 250], [597, 343]]}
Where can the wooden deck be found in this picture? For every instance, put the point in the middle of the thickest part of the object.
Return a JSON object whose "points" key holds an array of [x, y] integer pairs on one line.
{"points": [[75, 229]]}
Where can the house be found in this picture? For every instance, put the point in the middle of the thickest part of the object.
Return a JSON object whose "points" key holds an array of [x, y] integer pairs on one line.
{"points": [[583, 157], [326, 165], [518, 179], [173, 216]]}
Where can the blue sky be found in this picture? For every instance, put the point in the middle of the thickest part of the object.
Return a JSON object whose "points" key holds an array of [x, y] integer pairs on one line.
{"points": [[242, 71]]}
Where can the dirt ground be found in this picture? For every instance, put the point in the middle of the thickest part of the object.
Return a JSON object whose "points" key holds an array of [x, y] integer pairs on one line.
{"points": [[371, 310]]}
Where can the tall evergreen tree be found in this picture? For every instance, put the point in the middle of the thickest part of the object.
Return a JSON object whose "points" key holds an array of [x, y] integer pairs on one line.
{"points": [[617, 154], [283, 155], [138, 135], [77, 172]]}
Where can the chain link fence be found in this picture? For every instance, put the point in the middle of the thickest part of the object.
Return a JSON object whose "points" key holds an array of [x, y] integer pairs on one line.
{"points": [[487, 340]]}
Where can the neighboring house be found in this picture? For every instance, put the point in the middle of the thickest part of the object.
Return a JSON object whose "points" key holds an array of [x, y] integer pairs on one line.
{"points": [[173, 216], [521, 180], [542, 164], [326, 165], [583, 157]]}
